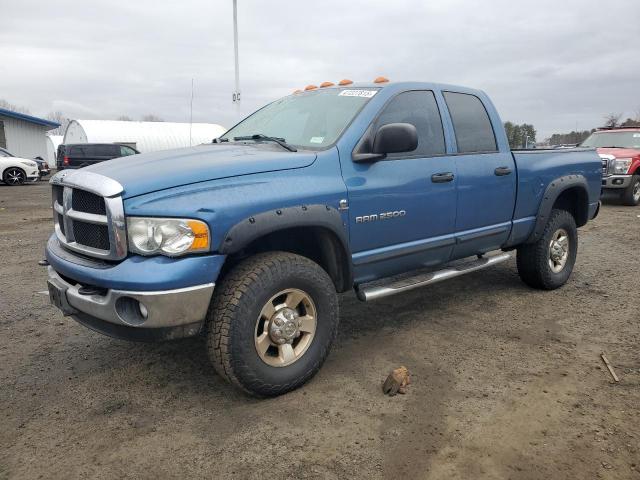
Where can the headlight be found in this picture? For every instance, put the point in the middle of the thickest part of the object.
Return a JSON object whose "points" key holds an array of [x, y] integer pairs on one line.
{"points": [[167, 236], [621, 166], [29, 164]]}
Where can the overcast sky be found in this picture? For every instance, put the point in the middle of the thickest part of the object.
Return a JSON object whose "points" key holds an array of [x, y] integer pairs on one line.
{"points": [[558, 64]]}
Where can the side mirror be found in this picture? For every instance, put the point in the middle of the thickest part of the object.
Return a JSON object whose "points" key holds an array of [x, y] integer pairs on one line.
{"points": [[395, 138]]}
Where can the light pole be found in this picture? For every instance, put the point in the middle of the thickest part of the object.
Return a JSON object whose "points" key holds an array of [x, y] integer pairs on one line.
{"points": [[236, 94]]}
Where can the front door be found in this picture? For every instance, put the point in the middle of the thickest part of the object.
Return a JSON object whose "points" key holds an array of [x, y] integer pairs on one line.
{"points": [[402, 209]]}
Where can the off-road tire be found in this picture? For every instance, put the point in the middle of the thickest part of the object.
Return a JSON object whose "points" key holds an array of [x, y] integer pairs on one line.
{"points": [[235, 308], [533, 259], [627, 195]]}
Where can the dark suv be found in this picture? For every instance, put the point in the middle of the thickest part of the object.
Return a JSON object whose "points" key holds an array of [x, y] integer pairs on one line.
{"points": [[82, 154]]}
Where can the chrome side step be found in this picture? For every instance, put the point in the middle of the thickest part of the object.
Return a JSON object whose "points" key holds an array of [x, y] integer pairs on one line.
{"points": [[367, 294]]}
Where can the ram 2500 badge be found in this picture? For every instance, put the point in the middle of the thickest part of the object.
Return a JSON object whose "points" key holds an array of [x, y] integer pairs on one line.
{"points": [[249, 239]]}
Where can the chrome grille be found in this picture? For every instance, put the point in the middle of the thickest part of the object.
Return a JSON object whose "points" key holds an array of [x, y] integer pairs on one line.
{"points": [[85, 221], [83, 201], [607, 161]]}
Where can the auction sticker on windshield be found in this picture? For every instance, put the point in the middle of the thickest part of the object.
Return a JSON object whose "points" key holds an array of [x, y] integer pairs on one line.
{"points": [[358, 93]]}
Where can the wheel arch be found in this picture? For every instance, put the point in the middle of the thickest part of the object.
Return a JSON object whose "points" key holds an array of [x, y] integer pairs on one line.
{"points": [[570, 193], [313, 231]]}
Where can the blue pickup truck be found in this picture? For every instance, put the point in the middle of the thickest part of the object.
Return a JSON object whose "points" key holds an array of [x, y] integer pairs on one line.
{"points": [[375, 187]]}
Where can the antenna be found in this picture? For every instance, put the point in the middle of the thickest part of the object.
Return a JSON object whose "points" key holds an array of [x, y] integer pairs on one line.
{"points": [[236, 94], [191, 113]]}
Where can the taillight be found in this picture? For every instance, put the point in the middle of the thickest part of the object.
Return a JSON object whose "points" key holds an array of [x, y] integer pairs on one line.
{"points": [[65, 160]]}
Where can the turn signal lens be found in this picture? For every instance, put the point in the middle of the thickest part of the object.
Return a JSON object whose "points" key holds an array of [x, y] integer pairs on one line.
{"points": [[381, 80], [345, 81], [200, 234], [326, 84], [310, 87]]}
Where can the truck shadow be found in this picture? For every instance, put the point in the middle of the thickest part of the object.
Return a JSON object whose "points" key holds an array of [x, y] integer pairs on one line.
{"points": [[358, 320]]}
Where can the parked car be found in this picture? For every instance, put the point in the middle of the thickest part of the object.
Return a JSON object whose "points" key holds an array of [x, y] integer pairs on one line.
{"points": [[16, 170], [249, 239], [80, 155], [43, 167], [619, 149]]}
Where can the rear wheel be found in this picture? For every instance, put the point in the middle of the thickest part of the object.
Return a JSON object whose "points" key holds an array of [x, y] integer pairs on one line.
{"points": [[14, 176], [271, 323], [631, 195], [548, 263]]}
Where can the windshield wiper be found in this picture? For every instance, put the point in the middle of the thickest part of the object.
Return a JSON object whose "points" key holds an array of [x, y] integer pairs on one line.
{"points": [[261, 136], [220, 140]]}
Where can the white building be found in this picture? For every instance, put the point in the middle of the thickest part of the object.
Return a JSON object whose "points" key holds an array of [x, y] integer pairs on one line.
{"points": [[52, 148], [143, 136], [23, 135]]}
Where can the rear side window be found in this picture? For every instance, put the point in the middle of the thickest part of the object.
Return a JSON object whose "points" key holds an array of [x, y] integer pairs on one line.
{"points": [[419, 108], [124, 151], [106, 150], [471, 123]]}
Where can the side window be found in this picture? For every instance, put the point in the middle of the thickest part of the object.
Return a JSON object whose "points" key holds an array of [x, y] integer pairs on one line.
{"points": [[124, 151], [471, 123], [105, 150], [419, 108]]}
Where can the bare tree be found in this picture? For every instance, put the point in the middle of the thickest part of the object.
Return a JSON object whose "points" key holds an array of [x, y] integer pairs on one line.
{"points": [[60, 118], [10, 106], [150, 117], [125, 118], [612, 119]]}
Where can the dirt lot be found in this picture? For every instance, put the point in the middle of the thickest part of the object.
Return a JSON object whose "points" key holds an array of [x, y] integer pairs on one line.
{"points": [[507, 381]]}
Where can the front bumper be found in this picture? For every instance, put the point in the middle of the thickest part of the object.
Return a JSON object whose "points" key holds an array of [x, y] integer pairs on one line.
{"points": [[616, 181], [165, 314]]}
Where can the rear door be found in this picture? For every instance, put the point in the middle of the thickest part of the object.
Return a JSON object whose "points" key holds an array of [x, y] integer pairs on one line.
{"points": [[486, 178], [400, 218]]}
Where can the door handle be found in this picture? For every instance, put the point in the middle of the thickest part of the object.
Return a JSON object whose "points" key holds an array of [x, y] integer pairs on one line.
{"points": [[442, 177], [502, 171]]}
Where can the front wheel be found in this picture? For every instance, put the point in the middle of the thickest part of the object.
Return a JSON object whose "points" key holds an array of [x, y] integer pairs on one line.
{"points": [[631, 195], [14, 176], [548, 263], [271, 323]]}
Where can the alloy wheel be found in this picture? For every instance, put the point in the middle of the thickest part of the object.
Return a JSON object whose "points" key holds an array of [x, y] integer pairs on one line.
{"points": [[285, 327], [558, 250]]}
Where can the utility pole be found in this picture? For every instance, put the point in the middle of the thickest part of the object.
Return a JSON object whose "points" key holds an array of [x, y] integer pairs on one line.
{"points": [[236, 94], [191, 114]]}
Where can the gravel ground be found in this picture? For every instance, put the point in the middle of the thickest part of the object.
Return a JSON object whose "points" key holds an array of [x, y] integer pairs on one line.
{"points": [[507, 381]]}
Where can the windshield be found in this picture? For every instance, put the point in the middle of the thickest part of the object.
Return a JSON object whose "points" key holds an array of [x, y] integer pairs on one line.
{"points": [[613, 139], [313, 119]]}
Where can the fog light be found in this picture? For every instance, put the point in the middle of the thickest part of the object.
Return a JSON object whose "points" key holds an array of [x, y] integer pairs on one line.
{"points": [[131, 311]]}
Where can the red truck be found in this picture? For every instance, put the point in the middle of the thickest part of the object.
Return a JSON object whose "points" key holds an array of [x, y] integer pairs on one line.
{"points": [[619, 149]]}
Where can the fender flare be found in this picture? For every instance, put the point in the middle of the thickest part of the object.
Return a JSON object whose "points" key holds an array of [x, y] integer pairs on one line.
{"points": [[261, 224], [551, 194]]}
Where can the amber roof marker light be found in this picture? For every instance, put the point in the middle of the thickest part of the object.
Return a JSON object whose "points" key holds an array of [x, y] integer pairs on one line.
{"points": [[310, 87], [345, 81], [297, 91], [326, 84], [381, 80]]}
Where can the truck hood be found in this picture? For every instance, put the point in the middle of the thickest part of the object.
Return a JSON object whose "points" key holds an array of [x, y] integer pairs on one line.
{"points": [[620, 152], [149, 172]]}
